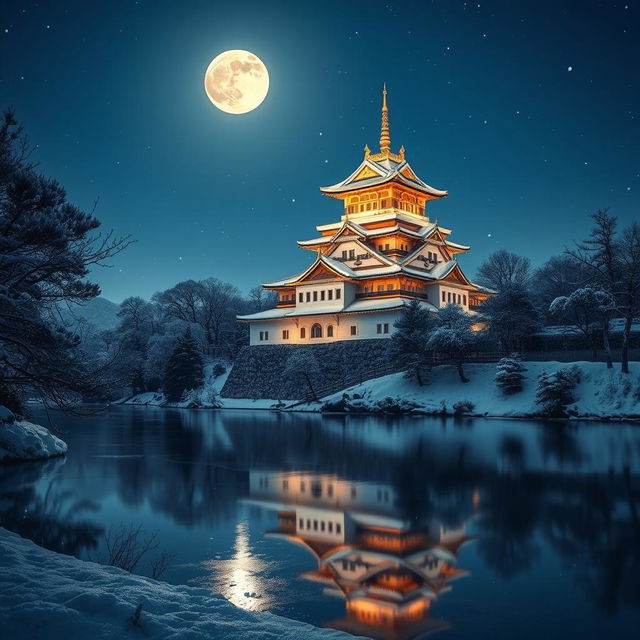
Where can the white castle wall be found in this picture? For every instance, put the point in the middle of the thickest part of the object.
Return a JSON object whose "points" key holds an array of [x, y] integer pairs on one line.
{"points": [[365, 323]]}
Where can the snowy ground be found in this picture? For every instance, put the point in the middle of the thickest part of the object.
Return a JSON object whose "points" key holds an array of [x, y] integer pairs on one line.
{"points": [[601, 392], [207, 397], [22, 440], [49, 596]]}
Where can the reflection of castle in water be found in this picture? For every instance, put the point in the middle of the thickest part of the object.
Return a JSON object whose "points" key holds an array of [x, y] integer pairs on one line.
{"points": [[387, 569]]}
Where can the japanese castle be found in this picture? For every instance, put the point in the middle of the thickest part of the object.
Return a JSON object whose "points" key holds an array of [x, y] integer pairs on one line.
{"points": [[384, 251]]}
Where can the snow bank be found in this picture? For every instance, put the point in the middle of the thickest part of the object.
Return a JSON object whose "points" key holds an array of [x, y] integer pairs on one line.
{"points": [[22, 440], [207, 397], [45, 595], [601, 392]]}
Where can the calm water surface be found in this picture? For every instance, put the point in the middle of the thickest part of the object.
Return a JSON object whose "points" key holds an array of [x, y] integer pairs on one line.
{"points": [[390, 528]]}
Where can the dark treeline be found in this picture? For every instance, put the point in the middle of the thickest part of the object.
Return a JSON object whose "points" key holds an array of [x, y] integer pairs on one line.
{"points": [[592, 283], [195, 315]]}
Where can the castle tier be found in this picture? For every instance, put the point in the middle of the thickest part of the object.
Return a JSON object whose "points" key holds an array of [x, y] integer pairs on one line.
{"points": [[382, 253]]}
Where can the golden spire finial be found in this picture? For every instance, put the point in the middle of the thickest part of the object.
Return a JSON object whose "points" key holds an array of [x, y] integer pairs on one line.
{"points": [[385, 139]]}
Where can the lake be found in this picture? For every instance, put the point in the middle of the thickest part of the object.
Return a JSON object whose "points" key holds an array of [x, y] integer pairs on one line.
{"points": [[386, 527]]}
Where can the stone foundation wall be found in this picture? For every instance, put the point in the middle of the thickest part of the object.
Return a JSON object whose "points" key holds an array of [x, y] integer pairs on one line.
{"points": [[258, 371]]}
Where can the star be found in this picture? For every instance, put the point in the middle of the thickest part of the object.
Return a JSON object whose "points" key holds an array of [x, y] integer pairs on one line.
{"points": [[569, 68]]}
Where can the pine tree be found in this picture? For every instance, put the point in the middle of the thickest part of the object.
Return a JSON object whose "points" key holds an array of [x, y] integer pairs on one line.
{"points": [[555, 390], [453, 336], [184, 370], [409, 341], [47, 249], [509, 374]]}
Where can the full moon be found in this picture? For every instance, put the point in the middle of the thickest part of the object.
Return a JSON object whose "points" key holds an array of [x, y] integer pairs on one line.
{"points": [[236, 81]]}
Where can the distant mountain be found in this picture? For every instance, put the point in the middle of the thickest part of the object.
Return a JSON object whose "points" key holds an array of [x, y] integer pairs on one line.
{"points": [[100, 312]]}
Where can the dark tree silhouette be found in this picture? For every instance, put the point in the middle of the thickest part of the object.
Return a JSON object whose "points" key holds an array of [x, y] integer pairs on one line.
{"points": [[47, 246], [409, 341], [184, 369]]}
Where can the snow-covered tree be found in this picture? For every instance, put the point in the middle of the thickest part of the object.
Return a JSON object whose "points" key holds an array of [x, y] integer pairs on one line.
{"points": [[453, 337], [504, 268], [510, 374], [47, 248], [559, 276], [302, 365], [511, 316], [184, 370], [590, 308], [613, 261], [555, 390], [408, 345]]}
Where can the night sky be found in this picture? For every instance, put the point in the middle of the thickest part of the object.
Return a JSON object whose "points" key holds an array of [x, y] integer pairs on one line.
{"points": [[527, 112]]}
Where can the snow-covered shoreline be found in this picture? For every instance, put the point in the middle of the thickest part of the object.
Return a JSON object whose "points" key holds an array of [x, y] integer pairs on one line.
{"points": [[22, 440], [49, 596], [601, 394]]}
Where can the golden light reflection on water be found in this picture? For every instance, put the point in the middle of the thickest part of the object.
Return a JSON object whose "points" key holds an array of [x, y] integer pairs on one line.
{"points": [[243, 579]]}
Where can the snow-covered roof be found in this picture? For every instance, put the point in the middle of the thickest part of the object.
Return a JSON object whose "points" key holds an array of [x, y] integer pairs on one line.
{"points": [[455, 245], [359, 306], [424, 232], [385, 170], [438, 272], [482, 289]]}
